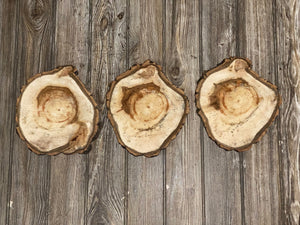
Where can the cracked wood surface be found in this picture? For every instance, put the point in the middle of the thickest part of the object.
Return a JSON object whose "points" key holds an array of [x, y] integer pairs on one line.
{"points": [[193, 181]]}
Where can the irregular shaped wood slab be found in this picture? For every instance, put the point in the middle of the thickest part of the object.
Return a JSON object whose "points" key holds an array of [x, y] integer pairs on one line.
{"points": [[236, 105], [56, 114], [145, 109]]}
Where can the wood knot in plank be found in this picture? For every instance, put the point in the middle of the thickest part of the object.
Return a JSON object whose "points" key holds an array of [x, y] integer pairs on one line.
{"points": [[104, 23], [35, 15], [121, 15]]}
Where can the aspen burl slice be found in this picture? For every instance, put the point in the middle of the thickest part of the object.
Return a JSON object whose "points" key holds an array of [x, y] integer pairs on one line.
{"points": [[236, 105], [145, 109], [56, 114]]}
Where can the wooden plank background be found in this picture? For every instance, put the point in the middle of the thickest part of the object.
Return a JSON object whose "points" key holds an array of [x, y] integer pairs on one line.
{"points": [[193, 181]]}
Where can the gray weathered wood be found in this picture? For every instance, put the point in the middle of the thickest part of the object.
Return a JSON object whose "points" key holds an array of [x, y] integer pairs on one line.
{"points": [[145, 176], [30, 172], [287, 64], [8, 90], [222, 190], [68, 182], [184, 155], [193, 181], [260, 165], [107, 166]]}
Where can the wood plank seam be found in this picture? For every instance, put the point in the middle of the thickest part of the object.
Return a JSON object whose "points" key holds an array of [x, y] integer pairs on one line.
{"points": [[126, 191], [164, 13], [88, 85], [280, 174], [52, 61], [202, 129], [241, 154], [12, 127]]}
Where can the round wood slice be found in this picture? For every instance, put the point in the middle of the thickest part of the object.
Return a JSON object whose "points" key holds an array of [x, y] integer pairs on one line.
{"points": [[145, 109], [56, 114], [236, 105]]}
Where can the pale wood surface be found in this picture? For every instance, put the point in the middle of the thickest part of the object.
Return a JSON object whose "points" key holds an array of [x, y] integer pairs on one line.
{"points": [[193, 181]]}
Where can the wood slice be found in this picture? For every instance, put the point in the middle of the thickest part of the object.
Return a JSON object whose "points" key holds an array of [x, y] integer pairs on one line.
{"points": [[145, 109], [56, 114], [236, 105]]}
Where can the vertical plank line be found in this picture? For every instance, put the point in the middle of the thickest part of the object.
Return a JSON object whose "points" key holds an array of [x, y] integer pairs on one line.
{"points": [[164, 21], [242, 188], [52, 56], [202, 128], [47, 204], [280, 174], [126, 153], [127, 32], [173, 18], [10, 159], [241, 154], [52, 60], [88, 83], [90, 39], [164, 187], [237, 20]]}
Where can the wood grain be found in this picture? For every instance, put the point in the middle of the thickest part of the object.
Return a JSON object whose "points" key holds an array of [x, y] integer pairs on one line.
{"points": [[287, 65], [145, 175], [107, 160], [68, 181], [260, 164], [193, 181], [184, 155], [30, 173], [8, 90], [222, 190]]}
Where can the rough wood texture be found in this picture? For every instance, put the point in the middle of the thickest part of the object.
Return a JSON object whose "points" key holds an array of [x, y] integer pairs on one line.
{"points": [[145, 176], [33, 54], [287, 70], [107, 195], [222, 189], [8, 93], [193, 181], [184, 171], [68, 177], [260, 165]]}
